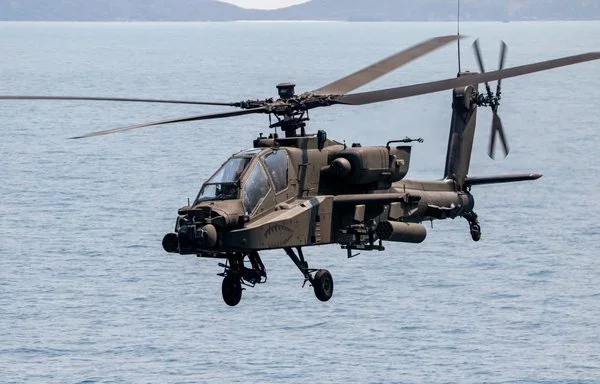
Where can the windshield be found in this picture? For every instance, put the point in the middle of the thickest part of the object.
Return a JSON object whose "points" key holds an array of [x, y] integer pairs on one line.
{"points": [[223, 185], [221, 191], [230, 171]]}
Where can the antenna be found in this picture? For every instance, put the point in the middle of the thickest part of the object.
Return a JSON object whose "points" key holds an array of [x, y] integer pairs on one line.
{"points": [[458, 32]]}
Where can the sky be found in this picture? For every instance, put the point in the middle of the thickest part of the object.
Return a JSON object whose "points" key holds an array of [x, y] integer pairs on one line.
{"points": [[264, 4]]}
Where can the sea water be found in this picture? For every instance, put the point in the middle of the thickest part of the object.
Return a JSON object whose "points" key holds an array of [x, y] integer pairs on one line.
{"points": [[87, 294]]}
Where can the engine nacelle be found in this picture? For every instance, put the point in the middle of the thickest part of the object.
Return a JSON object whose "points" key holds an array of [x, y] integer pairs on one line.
{"points": [[401, 232], [368, 165]]}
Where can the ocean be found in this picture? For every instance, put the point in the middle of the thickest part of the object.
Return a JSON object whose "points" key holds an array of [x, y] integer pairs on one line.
{"points": [[87, 294]]}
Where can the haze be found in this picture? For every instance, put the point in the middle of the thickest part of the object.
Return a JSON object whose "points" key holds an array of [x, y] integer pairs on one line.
{"points": [[264, 4]]}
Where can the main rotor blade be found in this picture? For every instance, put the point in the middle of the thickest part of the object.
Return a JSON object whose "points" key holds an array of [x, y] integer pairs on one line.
{"points": [[380, 68], [463, 81], [114, 99], [177, 120]]}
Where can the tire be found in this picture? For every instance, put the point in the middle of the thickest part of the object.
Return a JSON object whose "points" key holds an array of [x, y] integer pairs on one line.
{"points": [[231, 290], [323, 285], [475, 233]]}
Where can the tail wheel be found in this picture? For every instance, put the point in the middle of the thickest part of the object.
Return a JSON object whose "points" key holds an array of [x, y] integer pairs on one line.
{"points": [[323, 285], [475, 232], [231, 290]]}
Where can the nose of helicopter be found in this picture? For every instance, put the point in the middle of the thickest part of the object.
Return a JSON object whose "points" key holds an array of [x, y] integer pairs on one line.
{"points": [[190, 238]]}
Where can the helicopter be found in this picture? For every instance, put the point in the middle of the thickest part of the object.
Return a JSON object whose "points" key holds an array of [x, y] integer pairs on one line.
{"points": [[296, 189]]}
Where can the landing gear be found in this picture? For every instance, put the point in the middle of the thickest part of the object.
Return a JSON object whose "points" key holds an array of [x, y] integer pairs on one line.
{"points": [[246, 269], [231, 288], [323, 285], [474, 227], [322, 281], [237, 274]]}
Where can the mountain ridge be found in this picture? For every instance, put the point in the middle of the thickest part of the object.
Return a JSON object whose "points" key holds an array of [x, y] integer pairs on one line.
{"points": [[337, 10]]}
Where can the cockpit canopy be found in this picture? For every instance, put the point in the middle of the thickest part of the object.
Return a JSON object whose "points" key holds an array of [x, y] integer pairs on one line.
{"points": [[248, 175]]}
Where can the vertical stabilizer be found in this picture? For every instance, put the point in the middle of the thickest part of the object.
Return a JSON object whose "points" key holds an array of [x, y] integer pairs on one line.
{"points": [[462, 132]]}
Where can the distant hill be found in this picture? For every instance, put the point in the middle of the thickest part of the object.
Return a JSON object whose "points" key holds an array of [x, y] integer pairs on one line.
{"points": [[348, 10], [441, 10], [122, 10]]}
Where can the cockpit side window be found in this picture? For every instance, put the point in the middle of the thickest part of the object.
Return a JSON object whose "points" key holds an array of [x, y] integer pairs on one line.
{"points": [[277, 166], [256, 187]]}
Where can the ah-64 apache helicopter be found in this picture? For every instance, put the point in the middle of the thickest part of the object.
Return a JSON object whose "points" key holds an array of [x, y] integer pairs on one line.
{"points": [[301, 189]]}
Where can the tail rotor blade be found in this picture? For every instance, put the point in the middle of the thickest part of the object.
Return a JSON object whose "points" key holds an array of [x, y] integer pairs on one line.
{"points": [[503, 49], [500, 129], [480, 62], [492, 145], [478, 55], [497, 129]]}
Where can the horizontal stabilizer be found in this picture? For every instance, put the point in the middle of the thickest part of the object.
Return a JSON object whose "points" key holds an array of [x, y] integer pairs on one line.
{"points": [[501, 179]]}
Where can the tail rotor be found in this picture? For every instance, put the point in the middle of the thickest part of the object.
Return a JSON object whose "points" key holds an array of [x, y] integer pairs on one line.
{"points": [[493, 101]]}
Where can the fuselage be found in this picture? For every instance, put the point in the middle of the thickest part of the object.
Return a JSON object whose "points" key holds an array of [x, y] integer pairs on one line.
{"points": [[276, 196]]}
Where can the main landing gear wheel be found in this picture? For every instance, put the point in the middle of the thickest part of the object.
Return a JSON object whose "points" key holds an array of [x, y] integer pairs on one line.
{"points": [[236, 275], [323, 285], [322, 282], [231, 290]]}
